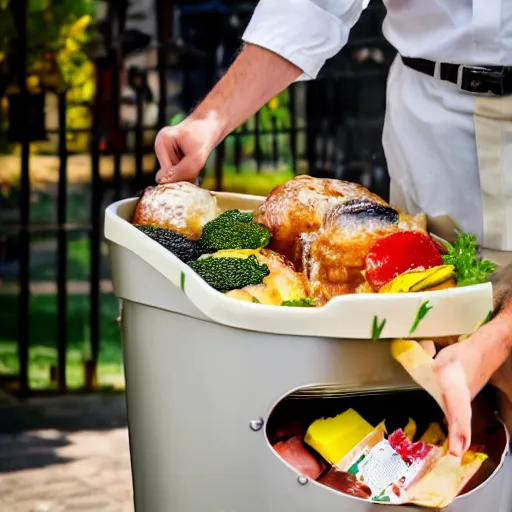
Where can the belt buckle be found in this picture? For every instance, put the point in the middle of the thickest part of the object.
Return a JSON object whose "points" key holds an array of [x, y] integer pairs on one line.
{"points": [[481, 80]]}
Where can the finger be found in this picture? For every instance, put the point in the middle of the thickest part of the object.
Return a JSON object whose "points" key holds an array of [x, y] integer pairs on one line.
{"points": [[167, 148], [186, 169], [457, 400], [429, 347]]}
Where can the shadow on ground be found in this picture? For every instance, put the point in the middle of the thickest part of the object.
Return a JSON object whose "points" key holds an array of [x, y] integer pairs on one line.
{"points": [[69, 413], [31, 451], [32, 433]]}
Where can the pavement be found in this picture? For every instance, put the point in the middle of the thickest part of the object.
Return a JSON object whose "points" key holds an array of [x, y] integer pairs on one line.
{"points": [[65, 454]]}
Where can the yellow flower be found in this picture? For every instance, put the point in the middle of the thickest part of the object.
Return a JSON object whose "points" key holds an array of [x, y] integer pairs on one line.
{"points": [[273, 103]]}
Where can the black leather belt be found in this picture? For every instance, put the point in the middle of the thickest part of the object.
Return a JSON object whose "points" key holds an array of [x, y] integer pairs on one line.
{"points": [[475, 79]]}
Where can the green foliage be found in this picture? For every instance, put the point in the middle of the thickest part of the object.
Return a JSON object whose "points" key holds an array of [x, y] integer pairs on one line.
{"points": [[469, 268], [43, 315], [301, 303]]}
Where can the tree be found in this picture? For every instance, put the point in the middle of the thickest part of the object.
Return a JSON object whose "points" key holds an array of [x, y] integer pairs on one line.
{"points": [[58, 33]]}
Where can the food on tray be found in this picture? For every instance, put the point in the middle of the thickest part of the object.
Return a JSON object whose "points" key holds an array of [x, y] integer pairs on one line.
{"points": [[234, 230], [311, 240], [301, 303], [463, 255], [281, 286], [333, 438], [417, 280], [180, 207], [327, 227], [365, 462], [226, 273], [184, 248], [298, 456], [398, 253]]}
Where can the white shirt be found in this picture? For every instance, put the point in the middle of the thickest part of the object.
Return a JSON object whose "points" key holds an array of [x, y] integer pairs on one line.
{"points": [[308, 32]]}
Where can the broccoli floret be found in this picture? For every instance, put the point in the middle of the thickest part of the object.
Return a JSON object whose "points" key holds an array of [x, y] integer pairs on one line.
{"points": [[301, 303], [234, 230], [226, 274], [183, 248]]}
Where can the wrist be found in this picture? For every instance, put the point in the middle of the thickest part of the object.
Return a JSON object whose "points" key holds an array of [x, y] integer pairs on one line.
{"points": [[505, 319], [216, 124], [497, 334]]}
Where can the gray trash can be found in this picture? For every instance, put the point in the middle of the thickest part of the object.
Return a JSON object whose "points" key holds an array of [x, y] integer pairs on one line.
{"points": [[200, 395]]}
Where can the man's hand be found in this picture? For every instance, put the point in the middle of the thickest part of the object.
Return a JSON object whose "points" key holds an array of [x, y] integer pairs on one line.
{"points": [[256, 76], [464, 368], [182, 150]]}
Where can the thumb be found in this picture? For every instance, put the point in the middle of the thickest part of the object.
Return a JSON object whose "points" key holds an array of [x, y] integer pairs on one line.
{"points": [[457, 400], [187, 169]]}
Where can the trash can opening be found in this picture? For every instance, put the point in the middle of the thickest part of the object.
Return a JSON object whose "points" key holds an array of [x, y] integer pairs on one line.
{"points": [[381, 446]]}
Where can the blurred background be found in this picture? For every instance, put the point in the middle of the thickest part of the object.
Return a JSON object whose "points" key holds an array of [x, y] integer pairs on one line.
{"points": [[84, 87]]}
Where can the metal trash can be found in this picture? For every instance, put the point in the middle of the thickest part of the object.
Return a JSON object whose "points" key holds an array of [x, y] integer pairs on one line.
{"points": [[200, 395]]}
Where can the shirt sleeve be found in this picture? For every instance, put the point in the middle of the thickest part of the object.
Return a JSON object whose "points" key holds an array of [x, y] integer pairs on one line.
{"points": [[304, 32]]}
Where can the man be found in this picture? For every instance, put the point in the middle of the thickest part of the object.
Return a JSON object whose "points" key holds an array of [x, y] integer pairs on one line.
{"points": [[447, 135]]}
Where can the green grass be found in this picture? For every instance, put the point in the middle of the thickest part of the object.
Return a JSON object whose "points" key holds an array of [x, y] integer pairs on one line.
{"points": [[247, 181], [43, 308], [43, 336]]}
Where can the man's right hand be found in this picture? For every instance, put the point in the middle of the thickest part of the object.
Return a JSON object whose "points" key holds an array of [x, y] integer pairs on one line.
{"points": [[182, 150], [255, 77]]}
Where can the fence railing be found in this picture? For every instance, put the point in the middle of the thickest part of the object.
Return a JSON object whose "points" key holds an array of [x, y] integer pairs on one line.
{"points": [[328, 128]]}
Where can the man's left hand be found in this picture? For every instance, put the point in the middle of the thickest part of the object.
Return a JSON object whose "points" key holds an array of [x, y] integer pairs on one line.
{"points": [[464, 368]]}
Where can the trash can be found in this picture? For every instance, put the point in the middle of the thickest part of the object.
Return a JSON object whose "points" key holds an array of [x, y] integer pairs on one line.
{"points": [[203, 385]]}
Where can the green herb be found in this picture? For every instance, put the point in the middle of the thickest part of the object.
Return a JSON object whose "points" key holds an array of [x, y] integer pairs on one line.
{"points": [[377, 328], [301, 303], [255, 300], [182, 281], [462, 254], [420, 315]]}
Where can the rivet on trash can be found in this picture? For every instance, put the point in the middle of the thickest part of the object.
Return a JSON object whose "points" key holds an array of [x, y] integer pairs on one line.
{"points": [[256, 425], [302, 480]]}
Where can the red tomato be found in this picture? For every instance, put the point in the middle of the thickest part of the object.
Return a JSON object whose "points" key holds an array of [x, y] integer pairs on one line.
{"points": [[397, 253]]}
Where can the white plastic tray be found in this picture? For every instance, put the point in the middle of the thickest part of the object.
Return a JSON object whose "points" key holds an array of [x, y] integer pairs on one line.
{"points": [[454, 311]]}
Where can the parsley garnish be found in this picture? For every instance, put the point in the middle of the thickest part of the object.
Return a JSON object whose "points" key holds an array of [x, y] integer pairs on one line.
{"points": [[301, 303], [182, 281], [255, 300], [420, 315], [462, 254], [377, 328]]}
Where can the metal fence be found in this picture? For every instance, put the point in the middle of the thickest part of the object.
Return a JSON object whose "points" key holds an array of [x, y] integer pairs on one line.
{"points": [[329, 128]]}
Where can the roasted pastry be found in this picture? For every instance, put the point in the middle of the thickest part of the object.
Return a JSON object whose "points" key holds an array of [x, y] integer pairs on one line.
{"points": [[181, 207], [327, 227], [283, 284]]}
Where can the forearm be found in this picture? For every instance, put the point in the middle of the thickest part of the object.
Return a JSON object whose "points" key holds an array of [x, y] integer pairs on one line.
{"points": [[256, 76], [502, 290]]}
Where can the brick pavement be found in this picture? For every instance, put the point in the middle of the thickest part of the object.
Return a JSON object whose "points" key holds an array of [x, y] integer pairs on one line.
{"points": [[69, 454]]}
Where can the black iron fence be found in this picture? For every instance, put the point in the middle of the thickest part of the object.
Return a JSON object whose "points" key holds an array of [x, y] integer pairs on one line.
{"points": [[330, 127]]}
